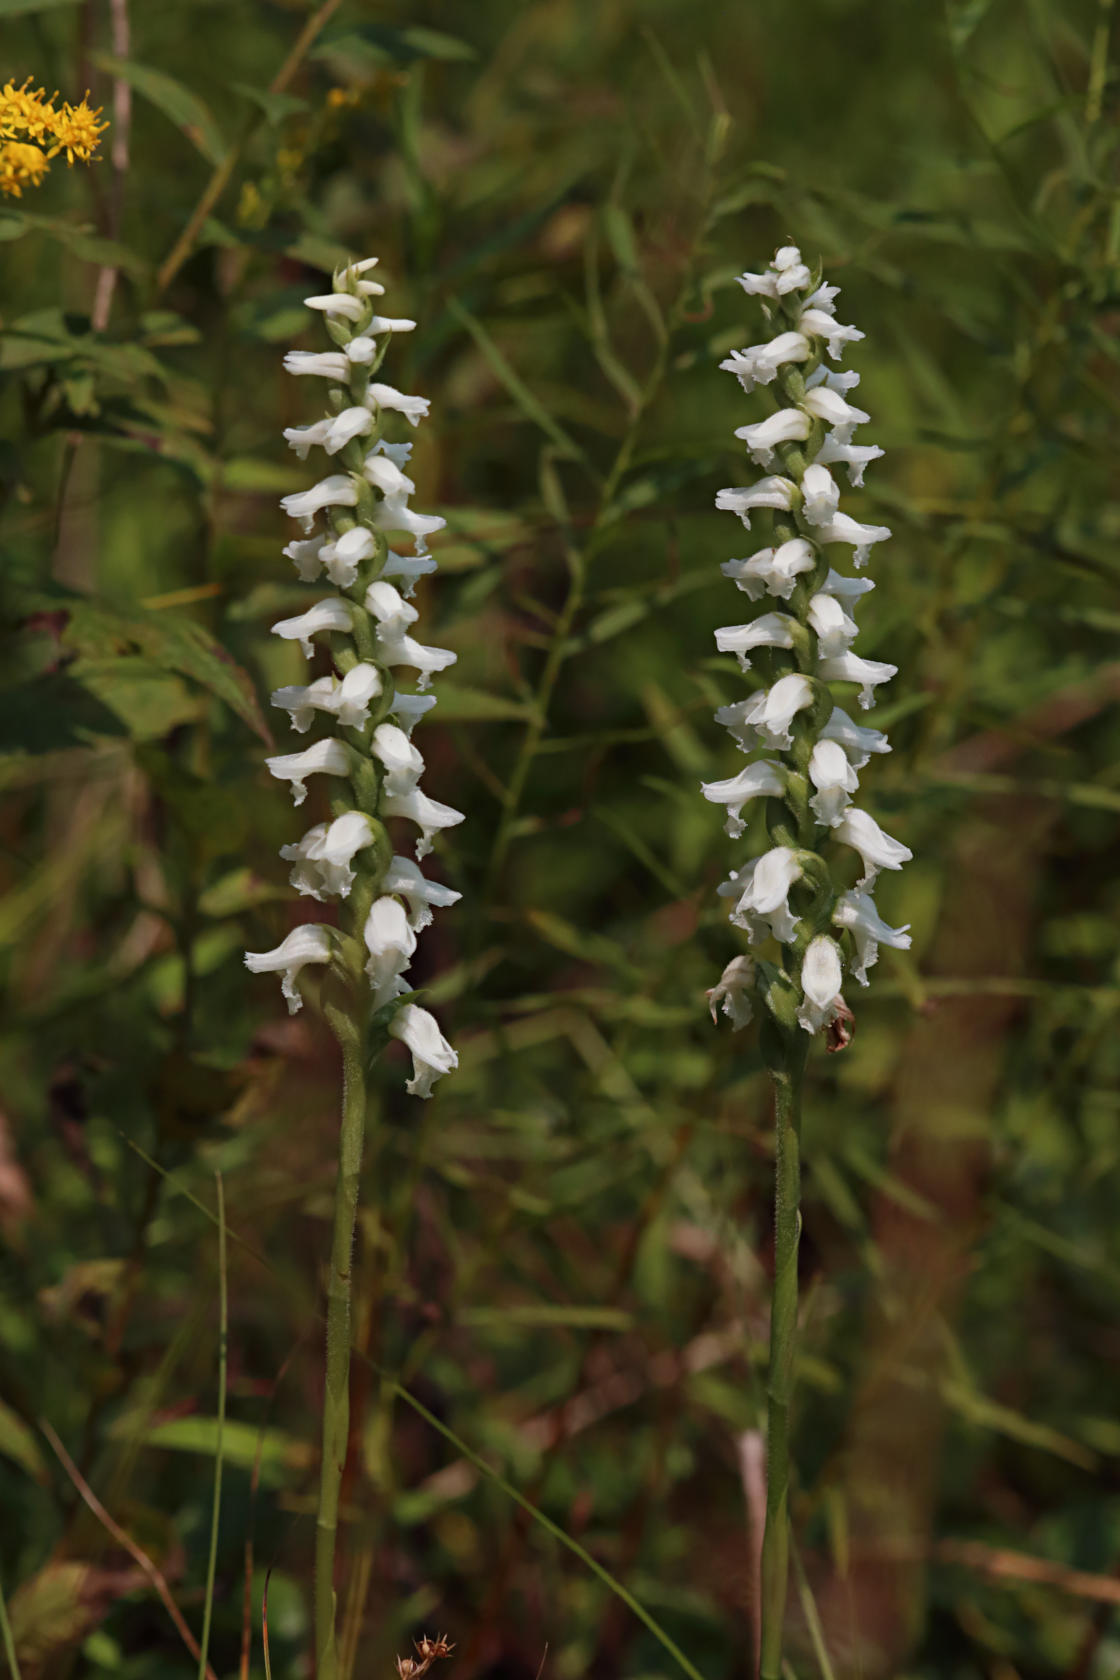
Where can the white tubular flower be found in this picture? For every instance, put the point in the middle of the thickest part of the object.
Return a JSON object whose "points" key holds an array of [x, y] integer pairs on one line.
{"points": [[393, 514], [835, 630], [828, 405], [414, 409], [399, 453], [772, 571], [824, 298], [733, 993], [821, 494], [821, 978], [306, 556], [338, 303], [787, 273], [877, 849], [402, 650], [404, 878], [771, 630], [390, 942], [336, 491], [428, 815], [432, 1056], [765, 721], [759, 363], [342, 558], [856, 457], [384, 900], [756, 780], [331, 614], [402, 763], [388, 324], [856, 912], [787, 426], [842, 528], [331, 434], [816, 323], [392, 612], [789, 894], [834, 779], [355, 694], [849, 667], [303, 702], [324, 858], [857, 742], [846, 589], [349, 700], [408, 709], [792, 274], [767, 493], [329, 757], [311, 943], [384, 474], [408, 568], [837, 379], [328, 364], [762, 906]]}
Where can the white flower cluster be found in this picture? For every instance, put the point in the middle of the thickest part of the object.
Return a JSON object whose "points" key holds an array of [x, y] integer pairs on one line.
{"points": [[819, 748], [346, 518]]}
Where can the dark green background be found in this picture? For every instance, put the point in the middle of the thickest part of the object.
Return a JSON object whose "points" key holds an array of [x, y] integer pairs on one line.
{"points": [[565, 1255]]}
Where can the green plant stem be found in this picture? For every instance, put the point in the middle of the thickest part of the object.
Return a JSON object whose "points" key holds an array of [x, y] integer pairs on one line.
{"points": [[9, 1642], [224, 171], [783, 1336], [336, 1397], [223, 1342]]}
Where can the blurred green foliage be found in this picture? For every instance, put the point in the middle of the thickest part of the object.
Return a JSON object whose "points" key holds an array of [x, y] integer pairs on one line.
{"points": [[564, 1256]]}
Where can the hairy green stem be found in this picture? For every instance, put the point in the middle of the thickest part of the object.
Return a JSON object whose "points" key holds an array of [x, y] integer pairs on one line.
{"points": [[783, 1335], [336, 1396]]}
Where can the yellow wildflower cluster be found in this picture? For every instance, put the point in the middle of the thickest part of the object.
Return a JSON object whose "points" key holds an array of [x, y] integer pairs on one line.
{"points": [[33, 130]]}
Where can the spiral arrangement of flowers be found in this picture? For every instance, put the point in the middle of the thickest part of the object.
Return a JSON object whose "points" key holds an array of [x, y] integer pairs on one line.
{"points": [[804, 752], [367, 623]]}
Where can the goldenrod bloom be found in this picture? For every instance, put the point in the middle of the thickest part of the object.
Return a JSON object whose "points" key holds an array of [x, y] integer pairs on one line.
{"points": [[77, 131], [20, 166], [33, 130]]}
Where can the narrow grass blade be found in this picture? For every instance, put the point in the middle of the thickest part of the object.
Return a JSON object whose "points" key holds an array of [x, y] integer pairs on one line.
{"points": [[223, 1300]]}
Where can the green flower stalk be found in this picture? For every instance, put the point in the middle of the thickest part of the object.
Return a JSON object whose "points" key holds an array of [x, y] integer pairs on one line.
{"points": [[384, 899], [803, 754]]}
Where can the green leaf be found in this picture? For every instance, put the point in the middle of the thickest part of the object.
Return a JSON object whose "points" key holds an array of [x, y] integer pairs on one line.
{"points": [[530, 405], [184, 108], [19, 1444], [78, 239], [276, 106], [57, 1607], [99, 633], [380, 44], [23, 8], [149, 701], [536, 1313], [461, 704], [963, 18], [280, 1453], [53, 713]]}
